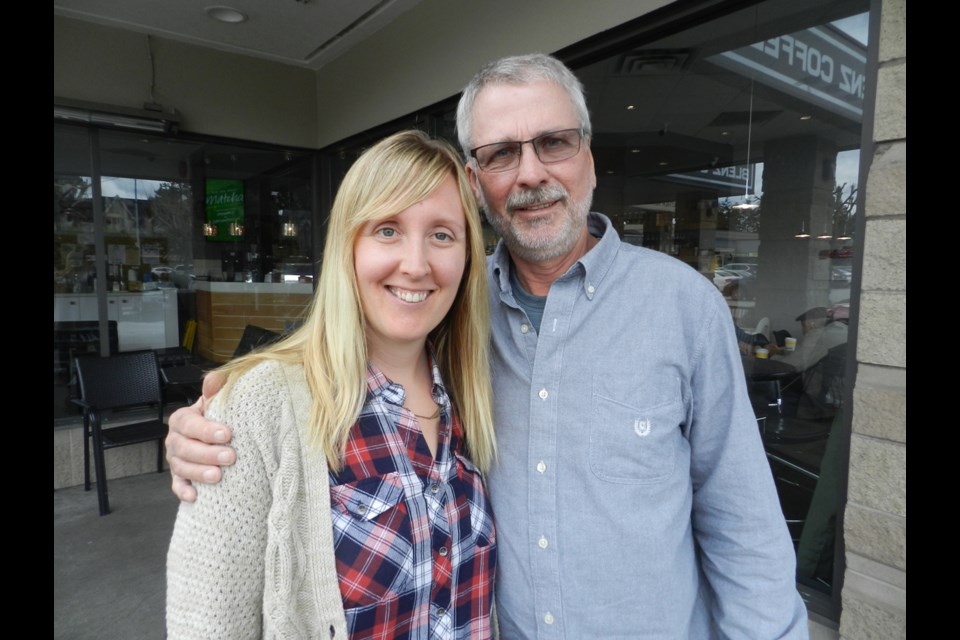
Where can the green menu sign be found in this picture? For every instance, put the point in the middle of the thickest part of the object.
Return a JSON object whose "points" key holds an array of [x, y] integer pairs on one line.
{"points": [[224, 210]]}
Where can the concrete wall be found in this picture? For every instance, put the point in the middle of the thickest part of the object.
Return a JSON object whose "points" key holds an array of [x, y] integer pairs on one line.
{"points": [[430, 52], [424, 56], [132, 460], [875, 522], [216, 93]]}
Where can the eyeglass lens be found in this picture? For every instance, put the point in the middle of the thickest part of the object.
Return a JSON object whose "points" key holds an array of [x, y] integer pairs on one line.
{"points": [[549, 147]]}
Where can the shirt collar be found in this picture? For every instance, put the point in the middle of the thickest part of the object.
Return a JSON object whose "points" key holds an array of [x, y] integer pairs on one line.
{"points": [[595, 263], [379, 385]]}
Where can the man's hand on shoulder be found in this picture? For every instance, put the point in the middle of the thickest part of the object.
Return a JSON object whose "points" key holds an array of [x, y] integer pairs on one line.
{"points": [[197, 447]]}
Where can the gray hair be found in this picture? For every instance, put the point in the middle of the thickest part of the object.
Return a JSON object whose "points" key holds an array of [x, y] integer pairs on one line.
{"points": [[524, 69]]}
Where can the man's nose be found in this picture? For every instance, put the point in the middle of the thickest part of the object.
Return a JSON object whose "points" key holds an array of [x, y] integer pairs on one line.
{"points": [[531, 172]]}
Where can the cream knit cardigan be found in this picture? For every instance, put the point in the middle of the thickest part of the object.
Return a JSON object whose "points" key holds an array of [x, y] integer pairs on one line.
{"points": [[253, 557]]}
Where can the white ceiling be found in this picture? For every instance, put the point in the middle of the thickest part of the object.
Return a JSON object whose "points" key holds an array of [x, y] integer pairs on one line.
{"points": [[305, 33]]}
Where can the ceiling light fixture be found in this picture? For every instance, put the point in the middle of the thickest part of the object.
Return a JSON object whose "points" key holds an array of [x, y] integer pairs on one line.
{"points": [[745, 205], [803, 231], [154, 120], [227, 15]]}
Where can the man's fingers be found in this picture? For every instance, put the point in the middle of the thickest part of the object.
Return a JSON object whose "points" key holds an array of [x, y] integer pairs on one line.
{"points": [[213, 382], [183, 489], [184, 450], [190, 423], [190, 472]]}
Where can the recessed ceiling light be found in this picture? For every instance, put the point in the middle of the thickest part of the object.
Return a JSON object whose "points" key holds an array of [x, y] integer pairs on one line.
{"points": [[724, 133], [631, 107], [806, 117], [663, 163], [228, 15], [634, 150]]}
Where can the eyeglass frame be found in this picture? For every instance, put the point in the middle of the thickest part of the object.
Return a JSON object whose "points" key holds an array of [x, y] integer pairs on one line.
{"points": [[532, 141]]}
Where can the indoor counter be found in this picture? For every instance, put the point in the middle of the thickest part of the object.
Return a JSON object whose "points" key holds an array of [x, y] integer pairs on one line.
{"points": [[225, 308]]}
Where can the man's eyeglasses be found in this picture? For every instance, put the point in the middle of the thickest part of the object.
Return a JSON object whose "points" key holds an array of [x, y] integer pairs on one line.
{"points": [[554, 146]]}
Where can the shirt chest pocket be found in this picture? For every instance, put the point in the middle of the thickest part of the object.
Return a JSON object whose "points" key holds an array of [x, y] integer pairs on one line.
{"points": [[472, 497], [635, 435], [372, 539]]}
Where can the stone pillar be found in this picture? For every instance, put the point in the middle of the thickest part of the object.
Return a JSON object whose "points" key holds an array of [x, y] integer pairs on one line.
{"points": [[875, 520]]}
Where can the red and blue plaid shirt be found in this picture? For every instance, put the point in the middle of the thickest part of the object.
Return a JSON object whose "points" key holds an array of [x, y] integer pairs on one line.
{"points": [[414, 536]]}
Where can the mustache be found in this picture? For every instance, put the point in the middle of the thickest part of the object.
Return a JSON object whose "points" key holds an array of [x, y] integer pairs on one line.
{"points": [[533, 197]]}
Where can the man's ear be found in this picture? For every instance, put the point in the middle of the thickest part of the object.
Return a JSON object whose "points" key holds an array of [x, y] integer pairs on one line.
{"points": [[474, 181]]}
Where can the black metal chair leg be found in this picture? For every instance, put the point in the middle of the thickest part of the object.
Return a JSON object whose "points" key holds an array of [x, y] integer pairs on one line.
{"points": [[86, 450], [101, 470]]}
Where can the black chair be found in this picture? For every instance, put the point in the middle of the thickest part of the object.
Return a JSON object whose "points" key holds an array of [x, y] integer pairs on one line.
{"points": [[128, 381], [253, 337]]}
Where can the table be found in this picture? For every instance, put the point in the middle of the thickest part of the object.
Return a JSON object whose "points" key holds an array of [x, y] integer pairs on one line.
{"points": [[766, 369], [766, 379]]}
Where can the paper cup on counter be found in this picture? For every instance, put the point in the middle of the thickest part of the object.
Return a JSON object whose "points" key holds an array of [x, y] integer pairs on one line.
{"points": [[762, 353], [790, 344]]}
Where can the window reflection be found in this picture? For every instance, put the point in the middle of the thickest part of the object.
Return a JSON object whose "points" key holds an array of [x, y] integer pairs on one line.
{"points": [[734, 147]]}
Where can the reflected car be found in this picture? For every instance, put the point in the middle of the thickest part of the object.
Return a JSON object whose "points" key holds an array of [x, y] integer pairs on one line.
{"points": [[747, 267], [721, 278], [841, 274]]}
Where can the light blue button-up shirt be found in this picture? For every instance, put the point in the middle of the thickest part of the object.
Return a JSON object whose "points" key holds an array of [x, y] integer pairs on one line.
{"points": [[632, 495]]}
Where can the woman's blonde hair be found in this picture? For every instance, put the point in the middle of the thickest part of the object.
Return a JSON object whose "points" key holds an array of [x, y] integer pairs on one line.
{"points": [[391, 176]]}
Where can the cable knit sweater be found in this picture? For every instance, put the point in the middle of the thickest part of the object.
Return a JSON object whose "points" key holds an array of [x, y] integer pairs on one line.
{"points": [[253, 556]]}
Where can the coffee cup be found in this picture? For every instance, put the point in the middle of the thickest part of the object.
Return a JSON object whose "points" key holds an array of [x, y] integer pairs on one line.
{"points": [[790, 344], [762, 353]]}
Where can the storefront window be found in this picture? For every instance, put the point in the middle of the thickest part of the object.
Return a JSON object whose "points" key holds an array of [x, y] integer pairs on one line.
{"points": [[183, 243], [734, 147]]}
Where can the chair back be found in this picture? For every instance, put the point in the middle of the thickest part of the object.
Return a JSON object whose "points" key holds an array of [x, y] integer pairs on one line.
{"points": [[123, 380], [253, 337]]}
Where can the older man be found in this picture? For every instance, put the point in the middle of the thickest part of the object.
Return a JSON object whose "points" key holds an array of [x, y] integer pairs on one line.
{"points": [[632, 494]]}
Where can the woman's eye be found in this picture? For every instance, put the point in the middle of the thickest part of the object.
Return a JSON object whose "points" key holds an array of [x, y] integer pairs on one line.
{"points": [[440, 235], [386, 232]]}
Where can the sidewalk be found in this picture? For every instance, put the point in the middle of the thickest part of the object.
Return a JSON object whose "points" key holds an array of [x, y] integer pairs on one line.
{"points": [[109, 573]]}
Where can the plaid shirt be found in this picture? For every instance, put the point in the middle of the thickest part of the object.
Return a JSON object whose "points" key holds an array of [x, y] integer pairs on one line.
{"points": [[414, 536]]}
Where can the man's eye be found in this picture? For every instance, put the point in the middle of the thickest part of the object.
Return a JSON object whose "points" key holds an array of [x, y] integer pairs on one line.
{"points": [[552, 143], [501, 153]]}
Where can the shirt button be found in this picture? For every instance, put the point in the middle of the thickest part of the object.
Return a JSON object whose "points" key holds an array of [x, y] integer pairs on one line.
{"points": [[543, 394], [541, 467], [361, 509], [443, 551], [548, 618], [542, 542], [434, 488], [440, 612], [591, 288], [524, 328]]}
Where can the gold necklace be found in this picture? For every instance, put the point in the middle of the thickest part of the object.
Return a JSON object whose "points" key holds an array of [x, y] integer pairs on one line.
{"points": [[435, 414]]}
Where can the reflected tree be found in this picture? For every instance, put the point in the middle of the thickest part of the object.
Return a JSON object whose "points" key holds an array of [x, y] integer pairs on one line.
{"points": [[171, 208], [729, 218]]}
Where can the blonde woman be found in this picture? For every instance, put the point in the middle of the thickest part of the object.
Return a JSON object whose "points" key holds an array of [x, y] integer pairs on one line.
{"points": [[356, 508]]}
